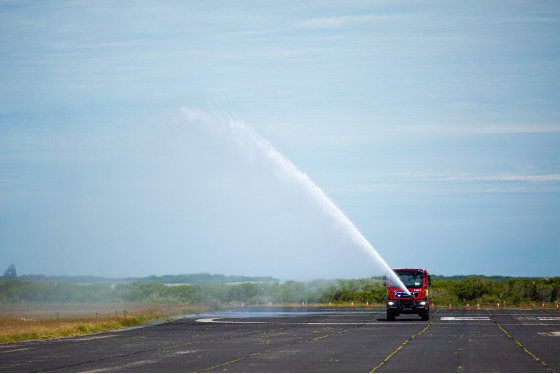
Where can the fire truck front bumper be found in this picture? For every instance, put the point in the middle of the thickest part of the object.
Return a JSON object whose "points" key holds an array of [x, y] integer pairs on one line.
{"points": [[407, 306]]}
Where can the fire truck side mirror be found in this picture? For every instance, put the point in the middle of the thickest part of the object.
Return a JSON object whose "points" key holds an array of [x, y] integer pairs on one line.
{"points": [[429, 280], [385, 280]]}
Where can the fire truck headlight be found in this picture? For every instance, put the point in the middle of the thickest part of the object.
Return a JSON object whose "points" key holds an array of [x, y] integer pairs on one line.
{"points": [[422, 303], [390, 303]]}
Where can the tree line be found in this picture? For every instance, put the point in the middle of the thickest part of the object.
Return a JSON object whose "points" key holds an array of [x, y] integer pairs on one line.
{"points": [[198, 278], [514, 291]]}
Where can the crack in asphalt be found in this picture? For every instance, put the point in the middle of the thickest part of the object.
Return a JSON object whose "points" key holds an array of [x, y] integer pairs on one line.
{"points": [[287, 345], [403, 344], [548, 368], [169, 347]]}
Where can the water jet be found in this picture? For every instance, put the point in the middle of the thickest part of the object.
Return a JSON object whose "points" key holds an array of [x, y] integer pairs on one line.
{"points": [[249, 141]]}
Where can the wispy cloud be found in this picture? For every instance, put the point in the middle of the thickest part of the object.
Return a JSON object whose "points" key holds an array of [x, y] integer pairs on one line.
{"points": [[482, 129], [428, 184], [466, 177], [327, 22]]}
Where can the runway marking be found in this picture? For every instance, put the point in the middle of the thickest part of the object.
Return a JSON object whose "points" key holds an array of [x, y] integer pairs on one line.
{"points": [[17, 350], [213, 320], [552, 333], [548, 318], [465, 318], [123, 366], [221, 320]]}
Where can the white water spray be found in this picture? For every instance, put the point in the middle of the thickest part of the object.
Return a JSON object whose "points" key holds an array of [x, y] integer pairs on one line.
{"points": [[250, 142]]}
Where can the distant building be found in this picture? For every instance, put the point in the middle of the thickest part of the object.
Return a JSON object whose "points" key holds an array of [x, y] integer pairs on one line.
{"points": [[11, 272]]}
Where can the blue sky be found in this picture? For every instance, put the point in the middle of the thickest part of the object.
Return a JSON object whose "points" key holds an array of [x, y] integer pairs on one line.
{"points": [[435, 126]]}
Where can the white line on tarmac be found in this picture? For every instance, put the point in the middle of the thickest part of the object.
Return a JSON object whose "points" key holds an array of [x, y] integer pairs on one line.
{"points": [[219, 320], [213, 320]]}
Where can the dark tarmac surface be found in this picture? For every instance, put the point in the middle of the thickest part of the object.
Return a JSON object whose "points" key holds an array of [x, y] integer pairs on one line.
{"points": [[310, 340]]}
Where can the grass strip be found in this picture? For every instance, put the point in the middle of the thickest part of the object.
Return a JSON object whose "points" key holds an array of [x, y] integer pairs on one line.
{"points": [[13, 329]]}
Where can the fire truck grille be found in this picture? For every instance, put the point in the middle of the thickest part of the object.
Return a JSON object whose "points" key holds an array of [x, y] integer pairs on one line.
{"points": [[407, 303]]}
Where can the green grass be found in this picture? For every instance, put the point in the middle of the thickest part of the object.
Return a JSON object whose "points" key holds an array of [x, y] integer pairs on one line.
{"points": [[44, 321]]}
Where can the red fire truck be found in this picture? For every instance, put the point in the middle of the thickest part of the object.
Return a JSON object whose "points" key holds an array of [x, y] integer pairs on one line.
{"points": [[415, 301]]}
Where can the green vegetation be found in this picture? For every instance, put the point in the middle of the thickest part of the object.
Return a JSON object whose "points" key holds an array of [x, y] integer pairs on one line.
{"points": [[251, 293], [44, 321], [200, 278], [495, 278], [515, 291], [483, 290]]}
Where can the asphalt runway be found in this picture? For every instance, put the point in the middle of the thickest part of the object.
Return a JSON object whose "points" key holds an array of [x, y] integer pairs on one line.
{"points": [[309, 340]]}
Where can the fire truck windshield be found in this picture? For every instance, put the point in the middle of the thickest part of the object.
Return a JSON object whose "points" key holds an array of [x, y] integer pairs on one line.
{"points": [[411, 280]]}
